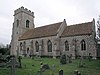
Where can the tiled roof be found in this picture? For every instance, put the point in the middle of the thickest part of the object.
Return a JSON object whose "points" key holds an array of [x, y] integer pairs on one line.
{"points": [[44, 31], [78, 29]]}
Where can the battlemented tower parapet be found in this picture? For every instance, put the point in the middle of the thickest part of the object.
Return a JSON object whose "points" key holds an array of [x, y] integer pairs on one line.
{"points": [[24, 10], [23, 21]]}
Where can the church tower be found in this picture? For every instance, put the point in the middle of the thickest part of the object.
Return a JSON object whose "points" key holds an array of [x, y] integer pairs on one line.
{"points": [[23, 20]]}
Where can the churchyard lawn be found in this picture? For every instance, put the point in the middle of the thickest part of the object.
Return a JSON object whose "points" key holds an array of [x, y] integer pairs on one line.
{"points": [[32, 67]]}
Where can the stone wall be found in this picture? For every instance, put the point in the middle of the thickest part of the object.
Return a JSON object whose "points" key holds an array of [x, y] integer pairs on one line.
{"points": [[43, 51], [90, 46], [22, 14]]}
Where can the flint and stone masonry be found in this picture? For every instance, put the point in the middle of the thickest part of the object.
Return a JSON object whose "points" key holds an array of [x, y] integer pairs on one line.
{"points": [[53, 39]]}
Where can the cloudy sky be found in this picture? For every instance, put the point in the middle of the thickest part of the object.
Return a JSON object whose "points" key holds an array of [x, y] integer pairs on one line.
{"points": [[47, 12]]}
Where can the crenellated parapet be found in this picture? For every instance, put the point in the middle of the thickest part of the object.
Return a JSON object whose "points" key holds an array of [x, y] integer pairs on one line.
{"points": [[24, 10]]}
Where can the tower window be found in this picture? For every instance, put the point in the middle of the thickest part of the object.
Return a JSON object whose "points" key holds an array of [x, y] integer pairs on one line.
{"points": [[17, 22], [27, 23]]}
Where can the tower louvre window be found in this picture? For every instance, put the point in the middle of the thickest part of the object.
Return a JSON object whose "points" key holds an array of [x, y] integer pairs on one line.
{"points": [[27, 23]]}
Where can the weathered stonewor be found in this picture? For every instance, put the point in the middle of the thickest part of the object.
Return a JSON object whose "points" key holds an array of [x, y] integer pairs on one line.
{"points": [[25, 10]]}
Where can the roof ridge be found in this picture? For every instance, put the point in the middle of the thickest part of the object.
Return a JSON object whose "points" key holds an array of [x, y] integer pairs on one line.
{"points": [[79, 23], [43, 31], [48, 25], [78, 29]]}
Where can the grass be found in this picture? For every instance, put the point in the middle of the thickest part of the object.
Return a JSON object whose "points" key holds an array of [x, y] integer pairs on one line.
{"points": [[91, 68]]}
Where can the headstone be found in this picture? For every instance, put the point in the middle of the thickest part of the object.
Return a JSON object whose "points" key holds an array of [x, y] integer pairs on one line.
{"points": [[90, 57], [81, 64], [76, 72], [19, 60], [70, 58], [12, 64], [45, 67], [63, 59], [40, 71], [41, 63], [60, 72], [53, 68], [79, 73]]}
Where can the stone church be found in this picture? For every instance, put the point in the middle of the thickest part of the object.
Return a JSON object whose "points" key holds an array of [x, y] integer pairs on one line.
{"points": [[53, 39]]}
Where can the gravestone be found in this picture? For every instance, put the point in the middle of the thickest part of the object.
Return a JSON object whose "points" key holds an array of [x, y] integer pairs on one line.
{"points": [[81, 63], [76, 72], [41, 65], [45, 67], [60, 72], [53, 68], [37, 58], [12, 64], [19, 60], [63, 59], [90, 57], [40, 71], [70, 58]]}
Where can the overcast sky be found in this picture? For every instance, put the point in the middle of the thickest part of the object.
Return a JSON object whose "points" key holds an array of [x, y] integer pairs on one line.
{"points": [[47, 12]]}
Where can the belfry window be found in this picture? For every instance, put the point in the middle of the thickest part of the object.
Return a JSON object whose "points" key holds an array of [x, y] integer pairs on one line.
{"points": [[37, 46], [27, 23], [83, 45], [17, 22], [49, 44], [66, 46]]}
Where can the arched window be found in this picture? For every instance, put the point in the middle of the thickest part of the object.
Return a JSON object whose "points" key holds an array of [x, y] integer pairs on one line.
{"points": [[27, 23], [83, 45], [27, 50], [66, 46], [37, 46], [17, 22], [49, 44], [21, 46]]}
